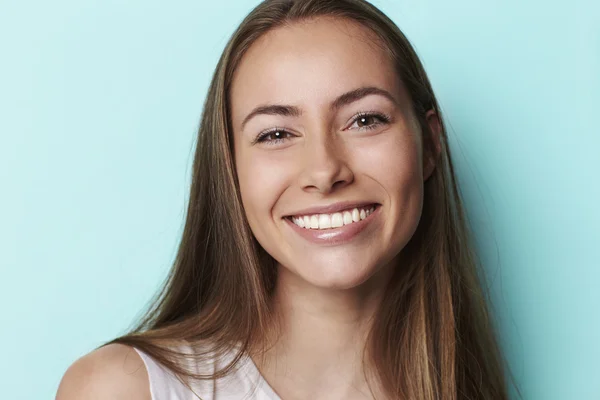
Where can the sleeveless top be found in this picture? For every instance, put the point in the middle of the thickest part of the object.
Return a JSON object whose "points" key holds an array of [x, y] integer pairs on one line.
{"points": [[244, 382]]}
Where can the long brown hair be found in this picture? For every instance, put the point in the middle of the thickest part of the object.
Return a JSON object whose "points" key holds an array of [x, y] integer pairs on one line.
{"points": [[432, 337]]}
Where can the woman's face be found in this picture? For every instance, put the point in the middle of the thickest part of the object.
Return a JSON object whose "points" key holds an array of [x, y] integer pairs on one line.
{"points": [[327, 152]]}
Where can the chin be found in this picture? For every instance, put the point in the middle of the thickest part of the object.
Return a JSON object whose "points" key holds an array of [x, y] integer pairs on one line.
{"points": [[332, 274]]}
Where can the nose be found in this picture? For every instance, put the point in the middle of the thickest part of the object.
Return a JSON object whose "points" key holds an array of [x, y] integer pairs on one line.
{"points": [[325, 166]]}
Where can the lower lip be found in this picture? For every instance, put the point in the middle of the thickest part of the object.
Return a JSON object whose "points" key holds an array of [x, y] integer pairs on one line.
{"points": [[334, 236]]}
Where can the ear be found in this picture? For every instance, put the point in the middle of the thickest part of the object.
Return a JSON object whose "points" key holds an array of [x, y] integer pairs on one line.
{"points": [[432, 147]]}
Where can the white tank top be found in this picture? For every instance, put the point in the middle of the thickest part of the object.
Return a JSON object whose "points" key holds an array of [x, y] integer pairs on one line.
{"points": [[245, 382]]}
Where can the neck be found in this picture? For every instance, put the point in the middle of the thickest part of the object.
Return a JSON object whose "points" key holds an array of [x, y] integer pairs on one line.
{"points": [[322, 334]]}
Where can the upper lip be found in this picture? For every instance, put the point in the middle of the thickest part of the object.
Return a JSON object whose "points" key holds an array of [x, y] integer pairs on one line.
{"points": [[332, 208]]}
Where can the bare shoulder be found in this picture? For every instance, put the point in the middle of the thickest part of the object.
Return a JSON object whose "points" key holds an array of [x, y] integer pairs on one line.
{"points": [[114, 371]]}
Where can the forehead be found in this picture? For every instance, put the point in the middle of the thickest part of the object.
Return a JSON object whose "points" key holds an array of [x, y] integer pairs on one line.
{"points": [[308, 64]]}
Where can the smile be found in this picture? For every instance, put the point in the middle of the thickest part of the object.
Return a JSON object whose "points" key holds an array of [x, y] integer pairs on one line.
{"points": [[334, 220], [336, 228]]}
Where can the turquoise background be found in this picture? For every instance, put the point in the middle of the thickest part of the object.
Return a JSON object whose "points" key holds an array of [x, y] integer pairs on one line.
{"points": [[99, 105]]}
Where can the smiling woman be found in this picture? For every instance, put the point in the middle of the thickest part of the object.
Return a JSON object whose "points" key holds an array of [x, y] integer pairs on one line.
{"points": [[325, 253]]}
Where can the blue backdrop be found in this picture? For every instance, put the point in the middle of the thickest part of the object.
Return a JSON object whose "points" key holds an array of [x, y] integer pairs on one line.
{"points": [[99, 105]]}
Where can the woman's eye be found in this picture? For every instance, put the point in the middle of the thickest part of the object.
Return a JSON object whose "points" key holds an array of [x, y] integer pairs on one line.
{"points": [[272, 137], [363, 121], [369, 120]]}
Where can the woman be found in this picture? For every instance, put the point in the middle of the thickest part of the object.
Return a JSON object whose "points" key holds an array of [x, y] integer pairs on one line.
{"points": [[325, 253]]}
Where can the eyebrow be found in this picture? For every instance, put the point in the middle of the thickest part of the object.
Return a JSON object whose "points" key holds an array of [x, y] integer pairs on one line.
{"points": [[339, 102]]}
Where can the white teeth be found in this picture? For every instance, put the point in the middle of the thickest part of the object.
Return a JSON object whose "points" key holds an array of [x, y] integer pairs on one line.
{"points": [[314, 222], [306, 219], [324, 221], [335, 220], [347, 218], [355, 215]]}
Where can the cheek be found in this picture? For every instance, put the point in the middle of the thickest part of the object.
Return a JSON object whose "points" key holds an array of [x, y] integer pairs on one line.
{"points": [[262, 178], [395, 165], [394, 162], [402, 169]]}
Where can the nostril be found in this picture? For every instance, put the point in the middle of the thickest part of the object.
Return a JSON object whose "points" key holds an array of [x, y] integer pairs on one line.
{"points": [[339, 183]]}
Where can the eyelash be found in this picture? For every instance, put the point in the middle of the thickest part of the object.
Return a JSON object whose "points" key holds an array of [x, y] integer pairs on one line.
{"points": [[384, 119]]}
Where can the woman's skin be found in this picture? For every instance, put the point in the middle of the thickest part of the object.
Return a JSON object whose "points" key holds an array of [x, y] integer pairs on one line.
{"points": [[328, 289]]}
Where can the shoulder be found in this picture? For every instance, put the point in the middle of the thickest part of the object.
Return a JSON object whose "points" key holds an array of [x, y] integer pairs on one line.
{"points": [[114, 371]]}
